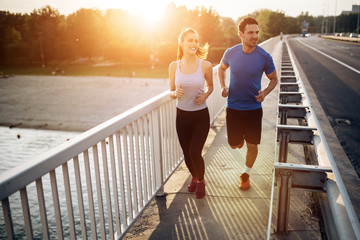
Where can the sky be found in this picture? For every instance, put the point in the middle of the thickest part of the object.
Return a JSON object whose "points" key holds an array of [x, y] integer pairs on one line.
{"points": [[153, 9]]}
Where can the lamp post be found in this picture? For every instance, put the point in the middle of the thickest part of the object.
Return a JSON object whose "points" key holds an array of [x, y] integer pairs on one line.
{"points": [[327, 18], [357, 28], [335, 17], [41, 50]]}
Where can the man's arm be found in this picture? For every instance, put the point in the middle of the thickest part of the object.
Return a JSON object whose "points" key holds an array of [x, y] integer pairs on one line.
{"points": [[271, 85], [221, 76]]}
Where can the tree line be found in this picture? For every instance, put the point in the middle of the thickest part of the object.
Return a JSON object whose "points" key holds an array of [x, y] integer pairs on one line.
{"points": [[49, 38]]}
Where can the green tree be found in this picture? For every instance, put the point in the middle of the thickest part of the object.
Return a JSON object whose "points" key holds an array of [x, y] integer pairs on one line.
{"points": [[276, 23], [206, 21], [116, 34], [167, 32], [46, 34], [209, 27], [230, 30], [264, 19], [292, 26], [347, 23], [305, 17], [13, 47], [85, 31]]}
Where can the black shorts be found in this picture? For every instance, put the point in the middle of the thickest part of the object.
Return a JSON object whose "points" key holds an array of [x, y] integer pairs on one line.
{"points": [[243, 124]]}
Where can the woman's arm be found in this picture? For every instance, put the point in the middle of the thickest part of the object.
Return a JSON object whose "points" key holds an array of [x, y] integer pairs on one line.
{"points": [[174, 92], [208, 74]]}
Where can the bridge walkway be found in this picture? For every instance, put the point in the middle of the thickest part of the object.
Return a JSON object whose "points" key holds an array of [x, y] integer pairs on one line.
{"points": [[228, 212]]}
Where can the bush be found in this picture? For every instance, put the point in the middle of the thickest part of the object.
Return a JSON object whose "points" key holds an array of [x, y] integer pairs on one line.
{"points": [[215, 54]]}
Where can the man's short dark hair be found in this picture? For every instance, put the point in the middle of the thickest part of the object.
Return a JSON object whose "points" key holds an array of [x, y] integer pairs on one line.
{"points": [[246, 21]]}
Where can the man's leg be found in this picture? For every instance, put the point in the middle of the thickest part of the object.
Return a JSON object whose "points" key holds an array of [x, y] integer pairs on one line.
{"points": [[238, 146], [251, 154]]}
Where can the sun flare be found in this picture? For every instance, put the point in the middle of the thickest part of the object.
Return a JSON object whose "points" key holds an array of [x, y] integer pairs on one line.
{"points": [[151, 11]]}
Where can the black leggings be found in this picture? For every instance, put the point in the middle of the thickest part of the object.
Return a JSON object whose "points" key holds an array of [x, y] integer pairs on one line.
{"points": [[192, 128]]}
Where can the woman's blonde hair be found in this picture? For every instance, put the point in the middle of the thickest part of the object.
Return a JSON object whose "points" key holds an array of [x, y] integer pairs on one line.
{"points": [[202, 52]]}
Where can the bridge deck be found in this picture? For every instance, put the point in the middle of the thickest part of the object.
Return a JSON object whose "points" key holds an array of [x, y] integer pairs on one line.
{"points": [[228, 212]]}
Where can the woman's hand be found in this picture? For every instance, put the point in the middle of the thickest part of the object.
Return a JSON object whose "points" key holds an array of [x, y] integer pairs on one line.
{"points": [[201, 98], [179, 92]]}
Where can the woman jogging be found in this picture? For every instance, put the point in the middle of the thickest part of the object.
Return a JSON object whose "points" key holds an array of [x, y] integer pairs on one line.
{"points": [[188, 77]]}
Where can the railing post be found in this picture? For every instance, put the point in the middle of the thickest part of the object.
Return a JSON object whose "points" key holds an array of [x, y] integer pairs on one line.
{"points": [[26, 212], [158, 158], [283, 149], [283, 202], [8, 219]]}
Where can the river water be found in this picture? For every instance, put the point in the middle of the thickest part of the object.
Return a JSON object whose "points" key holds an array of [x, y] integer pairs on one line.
{"points": [[17, 146]]}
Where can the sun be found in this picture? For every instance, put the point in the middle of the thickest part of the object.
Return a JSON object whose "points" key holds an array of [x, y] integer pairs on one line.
{"points": [[151, 11]]}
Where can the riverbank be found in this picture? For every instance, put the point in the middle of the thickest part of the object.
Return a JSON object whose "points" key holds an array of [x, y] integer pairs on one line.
{"points": [[96, 68], [71, 103]]}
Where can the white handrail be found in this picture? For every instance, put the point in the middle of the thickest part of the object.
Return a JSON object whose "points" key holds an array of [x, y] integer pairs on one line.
{"points": [[124, 174]]}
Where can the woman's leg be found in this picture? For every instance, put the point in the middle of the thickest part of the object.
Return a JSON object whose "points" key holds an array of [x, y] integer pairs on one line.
{"points": [[184, 132], [199, 136]]}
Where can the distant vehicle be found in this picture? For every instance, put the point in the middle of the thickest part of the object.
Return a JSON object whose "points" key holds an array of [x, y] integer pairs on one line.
{"points": [[354, 35], [342, 35]]}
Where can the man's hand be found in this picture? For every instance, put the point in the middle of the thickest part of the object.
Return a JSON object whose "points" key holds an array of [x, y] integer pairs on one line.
{"points": [[260, 97], [224, 92]]}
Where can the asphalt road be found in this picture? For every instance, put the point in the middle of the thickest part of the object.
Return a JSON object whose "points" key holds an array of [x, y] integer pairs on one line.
{"points": [[335, 79]]}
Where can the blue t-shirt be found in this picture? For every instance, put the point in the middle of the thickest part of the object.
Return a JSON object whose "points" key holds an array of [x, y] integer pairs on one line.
{"points": [[246, 70]]}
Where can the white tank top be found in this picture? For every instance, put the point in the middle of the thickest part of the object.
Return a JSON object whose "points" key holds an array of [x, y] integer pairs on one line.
{"points": [[193, 84]]}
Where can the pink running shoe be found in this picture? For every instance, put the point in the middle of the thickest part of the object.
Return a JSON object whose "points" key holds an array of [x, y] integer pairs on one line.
{"points": [[200, 189], [192, 185]]}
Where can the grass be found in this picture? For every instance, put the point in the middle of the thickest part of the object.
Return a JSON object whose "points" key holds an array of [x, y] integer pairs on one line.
{"points": [[115, 70]]}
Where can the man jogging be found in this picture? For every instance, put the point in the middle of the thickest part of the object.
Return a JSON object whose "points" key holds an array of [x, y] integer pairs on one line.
{"points": [[247, 62]]}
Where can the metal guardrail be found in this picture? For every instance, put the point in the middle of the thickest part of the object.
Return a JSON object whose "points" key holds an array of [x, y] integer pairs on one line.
{"points": [[346, 39], [295, 103], [110, 173]]}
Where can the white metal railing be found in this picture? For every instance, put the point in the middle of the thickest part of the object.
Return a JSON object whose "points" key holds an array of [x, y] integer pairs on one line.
{"points": [[109, 174]]}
